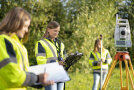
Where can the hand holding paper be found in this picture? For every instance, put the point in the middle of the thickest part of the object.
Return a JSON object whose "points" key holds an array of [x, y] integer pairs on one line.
{"points": [[43, 79]]}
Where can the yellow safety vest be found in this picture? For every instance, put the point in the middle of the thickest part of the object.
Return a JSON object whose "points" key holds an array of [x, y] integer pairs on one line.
{"points": [[49, 51], [97, 56], [12, 69]]}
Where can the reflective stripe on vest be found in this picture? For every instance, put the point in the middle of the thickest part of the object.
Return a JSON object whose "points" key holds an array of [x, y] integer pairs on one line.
{"points": [[97, 56], [54, 54], [22, 60], [41, 54], [28, 77], [51, 58], [6, 61], [18, 45]]}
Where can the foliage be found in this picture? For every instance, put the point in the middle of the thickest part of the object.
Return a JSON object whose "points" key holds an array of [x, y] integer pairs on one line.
{"points": [[91, 21]]}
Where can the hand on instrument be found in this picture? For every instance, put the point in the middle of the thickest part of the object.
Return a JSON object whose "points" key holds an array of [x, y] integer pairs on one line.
{"points": [[103, 60], [61, 62], [98, 63]]}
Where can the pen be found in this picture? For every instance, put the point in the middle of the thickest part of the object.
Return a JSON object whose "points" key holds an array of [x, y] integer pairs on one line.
{"points": [[44, 70]]}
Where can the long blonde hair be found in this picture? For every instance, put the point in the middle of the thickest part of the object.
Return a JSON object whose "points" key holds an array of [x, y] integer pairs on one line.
{"points": [[96, 45], [14, 20]]}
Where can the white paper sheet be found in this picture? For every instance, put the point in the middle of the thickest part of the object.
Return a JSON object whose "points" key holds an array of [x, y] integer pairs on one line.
{"points": [[55, 71]]}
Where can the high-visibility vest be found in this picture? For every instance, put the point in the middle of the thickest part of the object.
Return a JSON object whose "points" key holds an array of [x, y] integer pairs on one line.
{"points": [[97, 56], [46, 51], [13, 63]]}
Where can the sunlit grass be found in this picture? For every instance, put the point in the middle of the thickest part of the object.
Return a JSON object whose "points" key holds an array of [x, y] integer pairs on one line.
{"points": [[84, 81]]}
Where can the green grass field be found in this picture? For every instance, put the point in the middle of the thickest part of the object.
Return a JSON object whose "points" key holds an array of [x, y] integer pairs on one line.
{"points": [[84, 81]]}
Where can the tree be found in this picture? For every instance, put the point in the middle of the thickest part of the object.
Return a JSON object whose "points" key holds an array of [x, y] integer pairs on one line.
{"points": [[87, 24]]}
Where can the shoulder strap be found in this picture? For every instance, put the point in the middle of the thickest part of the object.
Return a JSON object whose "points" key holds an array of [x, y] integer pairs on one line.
{"points": [[59, 44]]}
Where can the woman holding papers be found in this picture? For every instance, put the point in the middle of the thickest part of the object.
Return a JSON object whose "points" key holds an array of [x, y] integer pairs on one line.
{"points": [[14, 63], [95, 62], [50, 49]]}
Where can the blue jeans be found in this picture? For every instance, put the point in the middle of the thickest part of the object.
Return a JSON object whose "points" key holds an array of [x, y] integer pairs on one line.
{"points": [[97, 79], [55, 86]]}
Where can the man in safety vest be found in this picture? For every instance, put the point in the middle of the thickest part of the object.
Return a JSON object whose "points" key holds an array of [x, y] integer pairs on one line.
{"points": [[14, 63]]}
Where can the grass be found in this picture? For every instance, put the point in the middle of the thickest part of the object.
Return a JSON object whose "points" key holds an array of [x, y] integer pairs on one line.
{"points": [[84, 81]]}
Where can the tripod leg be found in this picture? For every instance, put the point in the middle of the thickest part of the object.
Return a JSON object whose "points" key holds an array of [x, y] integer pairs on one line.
{"points": [[109, 74], [131, 67], [127, 69], [129, 74], [120, 64]]}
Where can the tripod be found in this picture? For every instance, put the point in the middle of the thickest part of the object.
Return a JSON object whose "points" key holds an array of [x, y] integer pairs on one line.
{"points": [[121, 56]]}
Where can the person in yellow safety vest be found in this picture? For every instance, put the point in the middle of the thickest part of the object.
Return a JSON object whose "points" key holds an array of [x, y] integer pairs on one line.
{"points": [[95, 63], [51, 49], [14, 63]]}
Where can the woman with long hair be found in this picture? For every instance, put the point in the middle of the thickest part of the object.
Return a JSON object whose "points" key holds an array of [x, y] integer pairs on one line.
{"points": [[14, 62], [50, 49], [95, 62]]}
